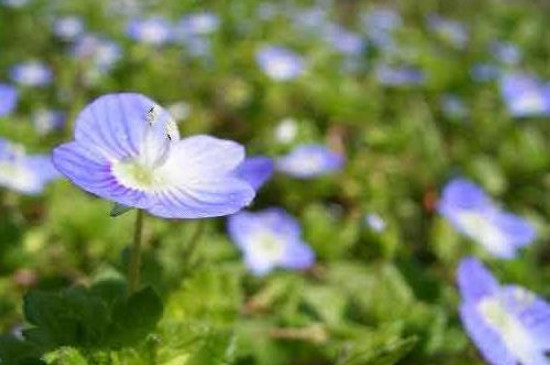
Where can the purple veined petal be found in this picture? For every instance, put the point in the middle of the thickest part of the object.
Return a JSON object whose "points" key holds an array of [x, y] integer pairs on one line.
{"points": [[203, 198], [116, 126], [201, 157], [531, 311], [8, 99], [92, 172], [256, 170], [490, 344], [307, 161], [474, 280]]}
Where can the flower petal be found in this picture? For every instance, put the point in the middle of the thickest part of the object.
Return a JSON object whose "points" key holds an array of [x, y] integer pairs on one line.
{"points": [[488, 341], [203, 198], [201, 157], [532, 312], [92, 172], [256, 170], [115, 125], [474, 280]]}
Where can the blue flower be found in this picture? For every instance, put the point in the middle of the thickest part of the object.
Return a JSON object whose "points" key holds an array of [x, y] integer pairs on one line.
{"points": [[398, 76], [154, 30], [22, 173], [268, 239], [31, 73], [280, 63], [450, 31], [506, 52], [379, 25], [508, 323], [343, 40], [453, 106], [102, 52], [256, 170], [46, 120], [68, 28], [195, 24], [484, 72], [525, 96], [127, 149], [309, 160], [15, 3], [472, 212], [375, 222], [8, 99]]}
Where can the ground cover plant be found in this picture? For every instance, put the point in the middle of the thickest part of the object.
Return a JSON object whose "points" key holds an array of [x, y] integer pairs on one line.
{"points": [[289, 182]]}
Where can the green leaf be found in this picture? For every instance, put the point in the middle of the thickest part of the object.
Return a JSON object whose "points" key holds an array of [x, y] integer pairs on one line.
{"points": [[72, 317], [14, 351], [65, 356], [375, 353], [135, 317]]}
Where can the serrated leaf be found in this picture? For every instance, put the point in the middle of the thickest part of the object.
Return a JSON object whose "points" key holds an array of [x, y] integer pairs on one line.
{"points": [[135, 317], [15, 351], [72, 317]]}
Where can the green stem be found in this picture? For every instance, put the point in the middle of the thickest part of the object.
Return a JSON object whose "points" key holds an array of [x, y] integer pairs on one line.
{"points": [[135, 254]]}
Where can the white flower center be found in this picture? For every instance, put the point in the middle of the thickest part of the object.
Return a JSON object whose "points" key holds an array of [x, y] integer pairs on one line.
{"points": [[267, 247], [518, 340], [480, 228]]}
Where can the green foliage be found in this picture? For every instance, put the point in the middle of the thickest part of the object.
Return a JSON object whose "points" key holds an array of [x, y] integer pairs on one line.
{"points": [[96, 319], [373, 297]]}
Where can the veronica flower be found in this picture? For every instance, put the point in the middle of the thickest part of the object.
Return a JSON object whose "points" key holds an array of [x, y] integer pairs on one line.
{"points": [[484, 72], [256, 170], [103, 53], [449, 30], [14, 3], [127, 149], [310, 20], [379, 25], [472, 212], [22, 173], [506, 52], [453, 106], [508, 323], [398, 76], [154, 31], [68, 28], [524, 95], [286, 131], [309, 160], [375, 222], [31, 73], [8, 99], [280, 63], [201, 23], [268, 239], [46, 120], [343, 40]]}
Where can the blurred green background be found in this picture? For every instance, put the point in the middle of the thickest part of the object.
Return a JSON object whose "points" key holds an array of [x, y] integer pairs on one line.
{"points": [[373, 297]]}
